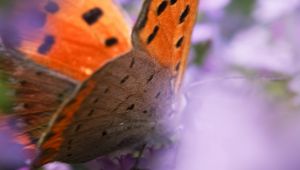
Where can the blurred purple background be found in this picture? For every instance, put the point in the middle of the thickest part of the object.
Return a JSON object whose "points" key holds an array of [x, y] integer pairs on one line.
{"points": [[241, 95]]}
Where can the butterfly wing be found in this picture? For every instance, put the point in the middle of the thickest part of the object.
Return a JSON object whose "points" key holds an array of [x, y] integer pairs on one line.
{"points": [[118, 108], [164, 31], [73, 37], [36, 94], [122, 103]]}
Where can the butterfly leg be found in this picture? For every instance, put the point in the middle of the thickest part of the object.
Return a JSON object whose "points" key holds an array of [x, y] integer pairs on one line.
{"points": [[139, 156]]}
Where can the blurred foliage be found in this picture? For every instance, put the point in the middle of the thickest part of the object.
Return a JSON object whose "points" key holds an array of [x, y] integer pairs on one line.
{"points": [[238, 17], [244, 7], [201, 50], [5, 95], [275, 84], [6, 3], [279, 90]]}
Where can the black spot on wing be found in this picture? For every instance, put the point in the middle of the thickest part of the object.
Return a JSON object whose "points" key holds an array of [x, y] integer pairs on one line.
{"points": [[173, 2], [152, 35], [104, 133], [161, 8], [111, 41], [106, 90], [52, 7], [78, 127], [179, 42], [49, 41], [124, 79], [150, 78], [92, 16], [184, 14], [91, 112], [96, 100], [131, 107]]}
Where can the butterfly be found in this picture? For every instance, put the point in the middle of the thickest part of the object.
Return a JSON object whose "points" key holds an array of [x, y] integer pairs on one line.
{"points": [[83, 85]]}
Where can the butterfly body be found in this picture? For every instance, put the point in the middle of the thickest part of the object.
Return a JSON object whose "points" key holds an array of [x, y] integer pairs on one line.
{"points": [[88, 91]]}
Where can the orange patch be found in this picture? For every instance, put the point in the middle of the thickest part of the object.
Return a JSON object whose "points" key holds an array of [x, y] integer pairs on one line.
{"points": [[55, 142]]}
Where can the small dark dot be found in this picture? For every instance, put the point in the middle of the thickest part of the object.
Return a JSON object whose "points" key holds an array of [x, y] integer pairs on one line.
{"points": [[158, 94], [150, 78], [23, 82], [70, 142], [161, 8], [60, 96], [69, 155], [132, 62], [96, 100], [92, 16], [173, 2], [78, 127], [177, 66], [91, 112], [52, 7], [26, 106], [184, 14], [153, 34], [111, 42], [145, 111], [131, 107], [49, 41], [106, 90], [38, 73], [104, 133], [179, 42], [124, 79]]}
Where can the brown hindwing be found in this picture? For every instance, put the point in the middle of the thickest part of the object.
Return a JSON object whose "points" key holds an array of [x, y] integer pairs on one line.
{"points": [[36, 94]]}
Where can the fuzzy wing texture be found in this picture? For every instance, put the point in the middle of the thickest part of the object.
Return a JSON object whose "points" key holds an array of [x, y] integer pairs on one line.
{"points": [[73, 37], [164, 30], [36, 94]]}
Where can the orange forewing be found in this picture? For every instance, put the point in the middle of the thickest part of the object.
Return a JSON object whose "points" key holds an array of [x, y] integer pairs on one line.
{"points": [[78, 48], [164, 31]]}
